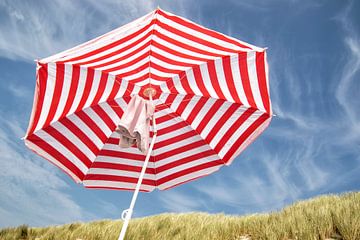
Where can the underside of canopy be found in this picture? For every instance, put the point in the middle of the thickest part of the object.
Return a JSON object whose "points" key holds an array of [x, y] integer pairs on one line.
{"points": [[212, 100]]}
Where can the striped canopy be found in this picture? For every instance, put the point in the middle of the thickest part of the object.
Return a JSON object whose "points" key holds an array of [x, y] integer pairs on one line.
{"points": [[212, 101]]}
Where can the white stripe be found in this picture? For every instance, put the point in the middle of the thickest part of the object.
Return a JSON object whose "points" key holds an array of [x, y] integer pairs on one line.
{"points": [[44, 154], [110, 112], [125, 71], [180, 49], [188, 177], [161, 73], [178, 85], [175, 57], [121, 173], [190, 107], [226, 126], [222, 80], [199, 34], [123, 87], [125, 161], [178, 144], [169, 123], [202, 112], [62, 149], [49, 91], [235, 71], [64, 92], [169, 65], [191, 43], [181, 155], [188, 165], [118, 47], [249, 140], [94, 88], [172, 134], [75, 140], [175, 104], [192, 82], [236, 40], [237, 134], [209, 125], [98, 120], [108, 87], [207, 81], [86, 130], [254, 80], [113, 184], [126, 60], [79, 90]]}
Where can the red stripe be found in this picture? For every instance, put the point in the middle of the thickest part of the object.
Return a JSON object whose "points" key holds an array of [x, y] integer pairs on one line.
{"points": [[199, 81], [184, 160], [72, 91], [171, 128], [261, 74], [188, 171], [214, 108], [179, 150], [101, 88], [223, 119], [165, 118], [236, 125], [130, 63], [115, 89], [119, 59], [214, 80], [243, 66], [229, 79], [137, 43], [175, 139], [164, 69], [115, 188], [170, 61], [176, 53], [244, 136], [59, 81], [69, 145], [197, 108], [88, 84], [119, 154], [194, 38], [40, 89], [114, 178], [92, 125], [104, 116], [202, 29], [124, 167], [111, 45], [116, 108], [183, 104], [56, 155], [80, 134], [185, 46]]}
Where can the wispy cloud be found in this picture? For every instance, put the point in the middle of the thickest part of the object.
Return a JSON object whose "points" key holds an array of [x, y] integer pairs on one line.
{"points": [[176, 201], [31, 30]]}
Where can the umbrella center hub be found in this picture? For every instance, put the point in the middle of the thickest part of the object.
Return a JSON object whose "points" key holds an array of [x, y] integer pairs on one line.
{"points": [[149, 91]]}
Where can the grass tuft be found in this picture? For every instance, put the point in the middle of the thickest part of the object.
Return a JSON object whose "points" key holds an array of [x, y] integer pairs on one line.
{"points": [[326, 217]]}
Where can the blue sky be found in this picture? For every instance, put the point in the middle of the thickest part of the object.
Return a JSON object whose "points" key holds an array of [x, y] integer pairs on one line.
{"points": [[312, 146]]}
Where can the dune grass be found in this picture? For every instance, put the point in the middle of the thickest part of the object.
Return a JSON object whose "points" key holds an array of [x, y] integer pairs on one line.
{"points": [[325, 217]]}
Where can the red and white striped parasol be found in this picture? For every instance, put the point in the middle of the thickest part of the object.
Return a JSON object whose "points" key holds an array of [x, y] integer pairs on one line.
{"points": [[210, 92]]}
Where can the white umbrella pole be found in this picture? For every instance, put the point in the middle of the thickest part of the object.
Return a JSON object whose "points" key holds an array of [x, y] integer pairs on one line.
{"points": [[126, 214]]}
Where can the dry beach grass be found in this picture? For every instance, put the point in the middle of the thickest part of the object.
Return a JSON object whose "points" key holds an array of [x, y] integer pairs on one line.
{"points": [[325, 217]]}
